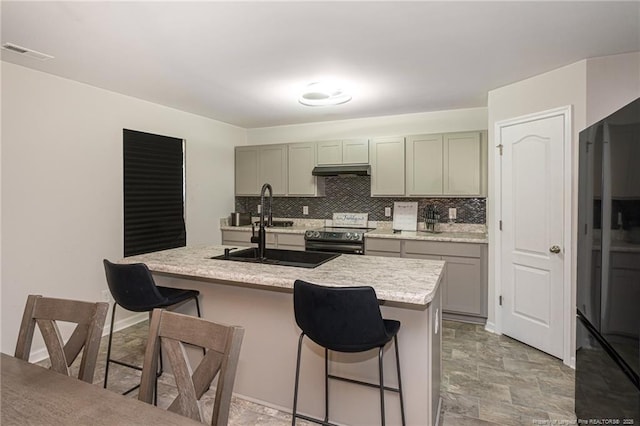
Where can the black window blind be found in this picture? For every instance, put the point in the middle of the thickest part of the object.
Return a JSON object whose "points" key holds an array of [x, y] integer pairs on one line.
{"points": [[153, 193]]}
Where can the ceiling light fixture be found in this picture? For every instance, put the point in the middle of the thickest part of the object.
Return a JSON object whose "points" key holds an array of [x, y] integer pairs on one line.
{"points": [[323, 94]]}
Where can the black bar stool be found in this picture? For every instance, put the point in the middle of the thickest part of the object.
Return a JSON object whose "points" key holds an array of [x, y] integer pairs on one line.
{"points": [[343, 319], [133, 288]]}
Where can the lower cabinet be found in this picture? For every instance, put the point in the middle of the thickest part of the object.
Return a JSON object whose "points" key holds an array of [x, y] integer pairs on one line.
{"points": [[464, 295], [382, 247], [283, 241]]}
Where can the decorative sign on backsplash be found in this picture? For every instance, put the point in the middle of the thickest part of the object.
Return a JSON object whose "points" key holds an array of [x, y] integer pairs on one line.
{"points": [[405, 216], [356, 220]]}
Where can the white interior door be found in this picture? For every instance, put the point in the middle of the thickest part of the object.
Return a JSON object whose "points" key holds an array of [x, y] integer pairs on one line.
{"points": [[532, 237]]}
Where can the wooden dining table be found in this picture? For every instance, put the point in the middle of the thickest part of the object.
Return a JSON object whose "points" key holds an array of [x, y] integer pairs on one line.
{"points": [[34, 395]]}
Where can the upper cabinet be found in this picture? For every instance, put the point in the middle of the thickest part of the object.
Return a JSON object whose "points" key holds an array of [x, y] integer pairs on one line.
{"points": [[424, 165], [450, 164], [437, 165], [246, 170], [387, 166], [302, 160], [256, 165], [462, 163], [433, 165], [272, 167], [347, 151]]}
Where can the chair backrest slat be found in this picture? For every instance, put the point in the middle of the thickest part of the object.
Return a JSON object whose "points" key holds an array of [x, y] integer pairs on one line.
{"points": [[172, 331], [46, 312], [55, 346], [188, 402]]}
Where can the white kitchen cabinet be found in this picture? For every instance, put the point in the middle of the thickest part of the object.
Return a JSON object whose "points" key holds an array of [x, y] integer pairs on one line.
{"points": [[283, 241], [355, 151], [449, 164], [257, 165], [387, 167], [246, 170], [382, 247], [464, 294], [347, 151], [424, 165], [272, 167], [287, 241], [302, 160], [462, 164]]}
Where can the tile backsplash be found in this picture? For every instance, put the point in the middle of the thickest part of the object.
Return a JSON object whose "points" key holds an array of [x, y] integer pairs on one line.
{"points": [[352, 194]]}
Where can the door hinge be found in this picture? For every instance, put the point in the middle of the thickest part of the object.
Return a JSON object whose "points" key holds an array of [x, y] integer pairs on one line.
{"points": [[500, 300], [500, 148], [500, 224]]}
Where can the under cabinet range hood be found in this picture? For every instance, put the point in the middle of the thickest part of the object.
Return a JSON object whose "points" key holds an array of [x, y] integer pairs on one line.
{"points": [[342, 170]]}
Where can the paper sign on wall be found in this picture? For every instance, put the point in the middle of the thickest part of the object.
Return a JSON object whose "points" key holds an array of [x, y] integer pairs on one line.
{"points": [[405, 216]]}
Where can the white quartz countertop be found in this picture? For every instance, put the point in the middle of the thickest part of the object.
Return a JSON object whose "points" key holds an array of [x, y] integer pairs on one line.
{"points": [[455, 237], [406, 281]]}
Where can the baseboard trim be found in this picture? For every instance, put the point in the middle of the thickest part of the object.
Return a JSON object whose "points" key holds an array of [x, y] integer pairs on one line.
{"points": [[463, 318], [42, 354], [490, 327]]}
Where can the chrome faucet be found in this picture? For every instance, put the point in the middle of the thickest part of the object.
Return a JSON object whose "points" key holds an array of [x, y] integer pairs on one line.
{"points": [[261, 239]]}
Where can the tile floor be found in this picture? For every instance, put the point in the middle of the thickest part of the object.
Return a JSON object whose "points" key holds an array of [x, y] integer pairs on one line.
{"points": [[495, 380], [487, 380]]}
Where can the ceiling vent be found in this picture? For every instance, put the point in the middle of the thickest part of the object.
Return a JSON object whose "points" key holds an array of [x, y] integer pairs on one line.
{"points": [[26, 52]]}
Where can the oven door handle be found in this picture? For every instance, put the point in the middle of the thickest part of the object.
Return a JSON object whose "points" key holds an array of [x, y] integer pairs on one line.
{"points": [[344, 248]]}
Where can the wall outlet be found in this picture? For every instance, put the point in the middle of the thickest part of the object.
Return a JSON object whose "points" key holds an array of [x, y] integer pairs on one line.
{"points": [[387, 211], [106, 296], [453, 213], [305, 209], [259, 208]]}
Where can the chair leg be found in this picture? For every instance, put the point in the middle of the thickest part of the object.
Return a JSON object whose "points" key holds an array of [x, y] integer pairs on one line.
{"points": [[326, 385], [204, 351], [106, 367], [381, 384], [295, 390], [395, 342]]}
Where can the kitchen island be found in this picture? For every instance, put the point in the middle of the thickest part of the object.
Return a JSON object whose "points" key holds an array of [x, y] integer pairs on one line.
{"points": [[259, 298]]}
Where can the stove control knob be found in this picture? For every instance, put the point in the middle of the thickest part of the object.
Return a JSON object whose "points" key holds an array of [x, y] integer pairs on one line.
{"points": [[308, 234], [316, 234], [356, 236], [348, 236]]}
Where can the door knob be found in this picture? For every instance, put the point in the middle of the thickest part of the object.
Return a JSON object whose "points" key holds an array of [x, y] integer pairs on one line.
{"points": [[554, 249]]}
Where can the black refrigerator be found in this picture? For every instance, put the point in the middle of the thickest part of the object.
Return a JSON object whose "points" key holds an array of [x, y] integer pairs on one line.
{"points": [[608, 276]]}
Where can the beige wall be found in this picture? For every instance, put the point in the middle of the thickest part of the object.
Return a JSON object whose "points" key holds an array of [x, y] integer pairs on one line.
{"points": [[393, 125], [612, 81], [62, 183]]}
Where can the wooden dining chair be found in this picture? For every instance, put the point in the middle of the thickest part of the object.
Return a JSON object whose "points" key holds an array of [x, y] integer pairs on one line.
{"points": [[222, 344], [46, 313]]}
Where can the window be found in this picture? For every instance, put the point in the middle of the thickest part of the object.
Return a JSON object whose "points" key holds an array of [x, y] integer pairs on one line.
{"points": [[153, 192]]}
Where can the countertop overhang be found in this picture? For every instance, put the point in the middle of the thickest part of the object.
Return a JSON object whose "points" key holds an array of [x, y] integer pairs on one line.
{"points": [[406, 281]]}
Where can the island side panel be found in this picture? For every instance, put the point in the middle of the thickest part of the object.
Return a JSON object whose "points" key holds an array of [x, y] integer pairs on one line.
{"points": [[267, 362]]}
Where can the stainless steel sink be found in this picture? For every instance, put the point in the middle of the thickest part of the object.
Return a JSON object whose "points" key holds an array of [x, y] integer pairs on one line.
{"points": [[300, 259]]}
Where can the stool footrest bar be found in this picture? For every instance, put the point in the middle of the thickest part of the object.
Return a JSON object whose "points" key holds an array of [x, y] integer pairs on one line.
{"points": [[359, 382], [314, 420]]}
